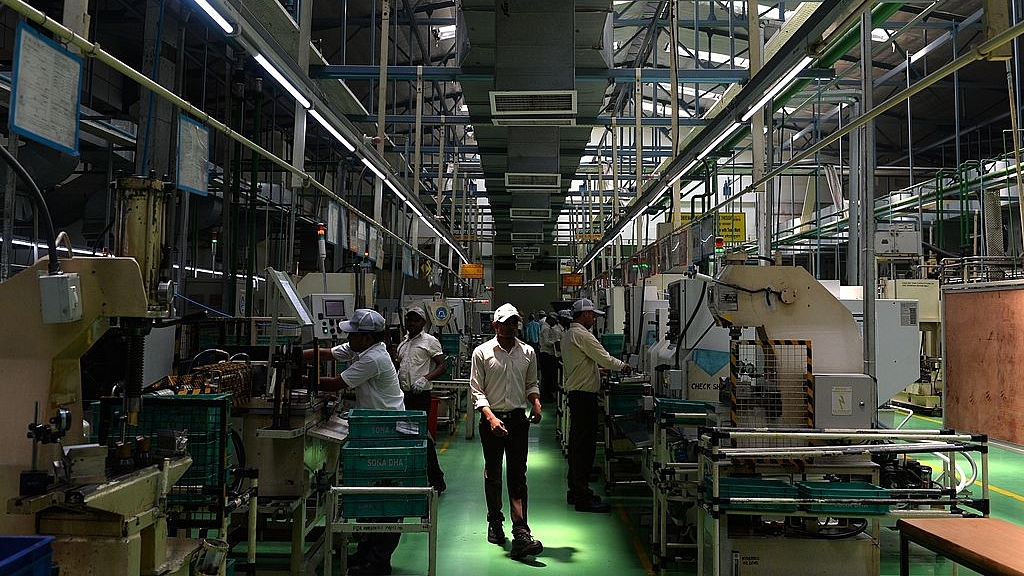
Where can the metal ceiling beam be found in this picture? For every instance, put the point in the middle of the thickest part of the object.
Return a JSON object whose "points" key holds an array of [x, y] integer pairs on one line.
{"points": [[450, 74]]}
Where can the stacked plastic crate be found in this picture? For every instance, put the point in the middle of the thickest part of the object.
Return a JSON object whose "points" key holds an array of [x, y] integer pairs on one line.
{"points": [[385, 448]]}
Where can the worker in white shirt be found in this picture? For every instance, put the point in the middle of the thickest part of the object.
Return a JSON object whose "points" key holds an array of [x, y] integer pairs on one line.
{"points": [[371, 374], [503, 379], [582, 358], [420, 360], [548, 361]]}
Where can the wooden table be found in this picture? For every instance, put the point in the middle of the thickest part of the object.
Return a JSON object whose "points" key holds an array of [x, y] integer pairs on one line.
{"points": [[985, 545]]}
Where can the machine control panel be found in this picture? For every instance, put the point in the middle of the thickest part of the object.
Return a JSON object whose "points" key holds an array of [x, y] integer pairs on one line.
{"points": [[328, 312]]}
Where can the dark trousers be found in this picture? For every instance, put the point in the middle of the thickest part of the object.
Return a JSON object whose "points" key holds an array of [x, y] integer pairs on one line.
{"points": [[513, 448], [548, 375], [421, 401], [377, 547], [584, 415]]}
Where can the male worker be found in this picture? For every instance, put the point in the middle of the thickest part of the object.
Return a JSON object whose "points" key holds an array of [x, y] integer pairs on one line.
{"points": [[503, 378], [582, 358], [548, 361], [531, 332], [371, 374], [420, 360]]}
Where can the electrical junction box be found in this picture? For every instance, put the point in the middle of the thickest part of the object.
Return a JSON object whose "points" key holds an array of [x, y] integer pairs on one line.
{"points": [[60, 296]]}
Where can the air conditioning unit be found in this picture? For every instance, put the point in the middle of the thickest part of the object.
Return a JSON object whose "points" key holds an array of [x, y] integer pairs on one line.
{"points": [[533, 121], [532, 180], [528, 237], [543, 214], [533, 102]]}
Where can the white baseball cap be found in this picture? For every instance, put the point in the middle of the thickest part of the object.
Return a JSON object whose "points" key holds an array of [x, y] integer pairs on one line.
{"points": [[565, 314], [506, 311], [417, 310], [585, 304], [363, 320]]}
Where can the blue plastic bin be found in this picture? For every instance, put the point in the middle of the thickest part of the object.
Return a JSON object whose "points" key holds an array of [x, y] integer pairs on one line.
{"points": [[26, 555]]}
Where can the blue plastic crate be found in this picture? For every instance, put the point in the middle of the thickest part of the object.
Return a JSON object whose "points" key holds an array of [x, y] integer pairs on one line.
{"points": [[398, 424], [26, 555], [862, 490]]}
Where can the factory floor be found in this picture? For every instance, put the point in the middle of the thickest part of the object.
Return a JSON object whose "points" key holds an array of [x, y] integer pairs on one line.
{"points": [[614, 543]]}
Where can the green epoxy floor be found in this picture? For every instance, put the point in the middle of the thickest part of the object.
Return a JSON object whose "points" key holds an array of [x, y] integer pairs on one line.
{"points": [[613, 544]]}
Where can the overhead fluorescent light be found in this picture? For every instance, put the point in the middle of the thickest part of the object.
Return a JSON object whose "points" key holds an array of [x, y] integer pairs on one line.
{"points": [[525, 284], [215, 16], [777, 87], [283, 81], [721, 138], [446, 32], [374, 169], [323, 122]]}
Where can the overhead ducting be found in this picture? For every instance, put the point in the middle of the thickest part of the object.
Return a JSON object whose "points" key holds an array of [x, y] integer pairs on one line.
{"points": [[533, 102], [542, 214], [533, 180]]}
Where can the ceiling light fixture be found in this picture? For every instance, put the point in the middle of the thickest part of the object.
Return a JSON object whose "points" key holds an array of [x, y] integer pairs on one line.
{"points": [[777, 87], [525, 284], [717, 141], [215, 16], [374, 169], [283, 81], [323, 122]]}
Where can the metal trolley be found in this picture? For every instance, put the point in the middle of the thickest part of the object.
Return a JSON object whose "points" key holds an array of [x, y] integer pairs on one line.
{"points": [[339, 524]]}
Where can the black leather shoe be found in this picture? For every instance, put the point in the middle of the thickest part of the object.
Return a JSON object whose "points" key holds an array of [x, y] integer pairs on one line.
{"points": [[593, 505], [370, 569], [525, 545], [495, 533]]}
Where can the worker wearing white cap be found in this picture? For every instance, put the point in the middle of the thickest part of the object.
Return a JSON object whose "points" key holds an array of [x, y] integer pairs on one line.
{"points": [[420, 360], [503, 379], [372, 375], [582, 358]]}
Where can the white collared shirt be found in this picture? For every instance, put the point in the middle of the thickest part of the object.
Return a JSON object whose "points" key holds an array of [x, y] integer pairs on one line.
{"points": [[416, 358], [372, 376], [503, 379]]}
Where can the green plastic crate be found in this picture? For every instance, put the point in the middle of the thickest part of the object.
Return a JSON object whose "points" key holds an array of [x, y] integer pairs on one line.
{"points": [[202, 490], [383, 506], [613, 343], [843, 490], [364, 460], [400, 424], [730, 487], [450, 343]]}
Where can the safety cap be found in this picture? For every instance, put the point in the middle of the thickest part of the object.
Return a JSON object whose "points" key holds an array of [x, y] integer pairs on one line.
{"points": [[585, 304], [506, 311], [363, 320]]}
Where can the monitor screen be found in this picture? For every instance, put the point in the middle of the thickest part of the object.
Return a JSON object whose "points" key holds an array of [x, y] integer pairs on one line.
{"points": [[334, 308]]}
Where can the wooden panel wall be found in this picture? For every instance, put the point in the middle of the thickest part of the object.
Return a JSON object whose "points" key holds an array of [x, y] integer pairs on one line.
{"points": [[984, 338]]}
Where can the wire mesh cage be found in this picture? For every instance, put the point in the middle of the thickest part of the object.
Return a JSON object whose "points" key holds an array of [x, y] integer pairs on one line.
{"points": [[197, 500], [771, 385]]}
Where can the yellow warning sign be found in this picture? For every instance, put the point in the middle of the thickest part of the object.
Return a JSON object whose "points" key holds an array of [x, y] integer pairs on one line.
{"points": [[732, 226], [472, 272]]}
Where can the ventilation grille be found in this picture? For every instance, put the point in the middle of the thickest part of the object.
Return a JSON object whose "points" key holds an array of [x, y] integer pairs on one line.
{"points": [[533, 121], [524, 265], [532, 180], [522, 250], [533, 102], [529, 213], [528, 237]]}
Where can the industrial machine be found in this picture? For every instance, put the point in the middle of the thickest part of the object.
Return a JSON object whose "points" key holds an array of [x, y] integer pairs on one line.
{"points": [[103, 505], [798, 463]]}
